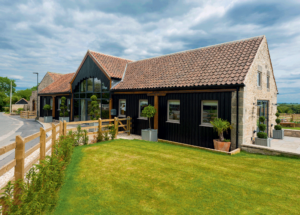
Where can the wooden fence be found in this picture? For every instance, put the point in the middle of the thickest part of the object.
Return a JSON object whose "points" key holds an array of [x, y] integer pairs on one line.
{"points": [[61, 128], [28, 114], [289, 117]]}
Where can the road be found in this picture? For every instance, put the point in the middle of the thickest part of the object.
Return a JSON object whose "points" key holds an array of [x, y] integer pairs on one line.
{"points": [[10, 127]]}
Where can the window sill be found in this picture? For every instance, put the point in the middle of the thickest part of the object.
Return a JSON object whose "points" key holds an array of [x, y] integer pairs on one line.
{"points": [[206, 125], [176, 122], [142, 118], [259, 87], [121, 116]]}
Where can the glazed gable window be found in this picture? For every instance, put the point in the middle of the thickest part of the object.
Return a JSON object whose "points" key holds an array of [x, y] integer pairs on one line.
{"points": [[122, 107], [209, 111], [142, 104], [174, 111]]}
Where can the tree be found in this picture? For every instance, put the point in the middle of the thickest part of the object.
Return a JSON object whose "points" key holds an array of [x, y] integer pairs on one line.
{"points": [[95, 112], [149, 112], [220, 126], [64, 109], [5, 85]]}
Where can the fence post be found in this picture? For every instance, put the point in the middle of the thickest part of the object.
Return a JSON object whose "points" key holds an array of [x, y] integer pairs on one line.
{"points": [[60, 128], [100, 125], [42, 144], [53, 138], [20, 166], [65, 127], [116, 125], [27, 114], [4, 206], [128, 125]]}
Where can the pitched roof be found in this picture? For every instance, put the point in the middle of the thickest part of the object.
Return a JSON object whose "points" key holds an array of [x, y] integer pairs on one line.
{"points": [[54, 76], [114, 66], [223, 64], [22, 99], [61, 85]]}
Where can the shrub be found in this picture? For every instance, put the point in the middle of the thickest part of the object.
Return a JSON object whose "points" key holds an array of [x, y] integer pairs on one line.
{"points": [[20, 109], [63, 108], [226, 140], [262, 135], [85, 138], [100, 136], [47, 108], [149, 112], [262, 127], [112, 131], [278, 121], [262, 119], [106, 137], [278, 127], [95, 110], [277, 114], [220, 126]]}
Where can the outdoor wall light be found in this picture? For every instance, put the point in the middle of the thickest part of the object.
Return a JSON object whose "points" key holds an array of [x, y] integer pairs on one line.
{"points": [[254, 131], [271, 125], [274, 104]]}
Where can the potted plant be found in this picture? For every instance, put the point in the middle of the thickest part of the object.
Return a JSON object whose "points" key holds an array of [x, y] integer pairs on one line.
{"points": [[221, 126], [278, 133], [64, 114], [95, 112], [47, 118], [149, 134], [262, 137]]}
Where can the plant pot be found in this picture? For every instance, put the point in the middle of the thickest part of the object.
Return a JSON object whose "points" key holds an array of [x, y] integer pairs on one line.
{"points": [[93, 129], [67, 119], [278, 134], [149, 134], [263, 142], [222, 146], [48, 118]]}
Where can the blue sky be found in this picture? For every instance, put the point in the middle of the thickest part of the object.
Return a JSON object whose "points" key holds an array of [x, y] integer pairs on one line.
{"points": [[41, 36]]}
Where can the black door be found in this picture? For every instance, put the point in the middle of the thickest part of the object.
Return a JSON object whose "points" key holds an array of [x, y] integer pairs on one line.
{"points": [[263, 110]]}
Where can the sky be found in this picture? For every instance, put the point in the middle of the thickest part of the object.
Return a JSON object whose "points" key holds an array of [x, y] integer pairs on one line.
{"points": [[40, 36]]}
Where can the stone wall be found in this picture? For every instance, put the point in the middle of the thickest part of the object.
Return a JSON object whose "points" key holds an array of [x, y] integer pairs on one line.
{"points": [[233, 118], [291, 133], [17, 106], [253, 93]]}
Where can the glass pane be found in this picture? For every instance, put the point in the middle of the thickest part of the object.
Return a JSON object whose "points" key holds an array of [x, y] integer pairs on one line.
{"points": [[90, 84], [98, 95], [51, 102], [105, 109], [76, 110], [77, 89], [89, 95], [143, 104], [174, 110], [104, 87], [68, 104], [76, 95], [122, 108], [105, 95], [210, 111], [82, 109], [83, 86], [97, 85], [82, 95]]}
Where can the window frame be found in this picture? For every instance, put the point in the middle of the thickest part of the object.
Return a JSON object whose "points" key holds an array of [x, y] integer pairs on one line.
{"points": [[142, 117], [119, 109], [259, 76], [58, 103], [168, 109], [205, 123], [51, 103]]}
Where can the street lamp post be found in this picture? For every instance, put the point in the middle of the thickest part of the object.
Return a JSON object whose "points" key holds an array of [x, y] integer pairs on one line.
{"points": [[37, 95]]}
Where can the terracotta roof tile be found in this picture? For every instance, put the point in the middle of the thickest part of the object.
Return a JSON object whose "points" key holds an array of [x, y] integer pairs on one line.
{"points": [[215, 65], [55, 76], [114, 66], [61, 85]]}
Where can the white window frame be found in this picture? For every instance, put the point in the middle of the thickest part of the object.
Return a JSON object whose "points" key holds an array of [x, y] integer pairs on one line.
{"points": [[120, 115], [142, 117], [168, 109], [205, 123], [259, 76]]}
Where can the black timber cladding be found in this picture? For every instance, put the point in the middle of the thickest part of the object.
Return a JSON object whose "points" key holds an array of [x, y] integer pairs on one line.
{"points": [[90, 70], [189, 130]]}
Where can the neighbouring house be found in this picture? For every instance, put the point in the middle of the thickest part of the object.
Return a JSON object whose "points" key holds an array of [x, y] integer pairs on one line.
{"points": [[22, 103], [233, 81]]}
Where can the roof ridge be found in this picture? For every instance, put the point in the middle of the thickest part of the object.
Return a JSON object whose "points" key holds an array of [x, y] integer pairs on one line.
{"points": [[110, 55], [205, 47]]}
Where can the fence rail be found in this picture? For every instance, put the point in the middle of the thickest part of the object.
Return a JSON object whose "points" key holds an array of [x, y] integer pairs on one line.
{"points": [[28, 114]]}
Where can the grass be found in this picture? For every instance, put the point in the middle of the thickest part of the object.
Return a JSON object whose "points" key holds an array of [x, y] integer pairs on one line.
{"points": [[139, 177], [292, 128]]}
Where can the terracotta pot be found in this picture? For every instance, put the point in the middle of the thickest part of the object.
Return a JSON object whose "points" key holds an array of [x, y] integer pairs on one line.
{"points": [[222, 146]]}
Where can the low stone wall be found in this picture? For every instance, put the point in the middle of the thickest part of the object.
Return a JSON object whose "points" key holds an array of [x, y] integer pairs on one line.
{"points": [[267, 151], [291, 133]]}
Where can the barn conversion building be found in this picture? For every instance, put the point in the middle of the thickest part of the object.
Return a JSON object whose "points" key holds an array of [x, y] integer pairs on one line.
{"points": [[233, 81]]}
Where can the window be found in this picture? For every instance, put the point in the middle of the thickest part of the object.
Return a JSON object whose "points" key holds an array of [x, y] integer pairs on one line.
{"points": [[51, 102], [90, 85], [83, 86], [142, 105], [68, 104], [209, 112], [173, 111], [59, 102], [259, 79], [97, 83], [268, 82], [45, 101], [122, 107]]}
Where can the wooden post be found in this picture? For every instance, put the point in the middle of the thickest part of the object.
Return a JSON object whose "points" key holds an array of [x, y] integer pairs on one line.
{"points": [[53, 138], [53, 106], [110, 107], [65, 127], [156, 114], [28, 115], [128, 125], [116, 126], [60, 128], [4, 206], [100, 125], [20, 165], [42, 144]]}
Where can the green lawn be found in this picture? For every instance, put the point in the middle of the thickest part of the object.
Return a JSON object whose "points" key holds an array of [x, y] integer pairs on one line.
{"points": [[139, 177], [292, 128]]}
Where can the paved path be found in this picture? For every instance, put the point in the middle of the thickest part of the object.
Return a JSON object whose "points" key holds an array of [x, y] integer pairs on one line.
{"points": [[10, 127], [288, 144]]}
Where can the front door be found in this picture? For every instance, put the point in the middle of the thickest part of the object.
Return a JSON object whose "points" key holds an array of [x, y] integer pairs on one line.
{"points": [[263, 110]]}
